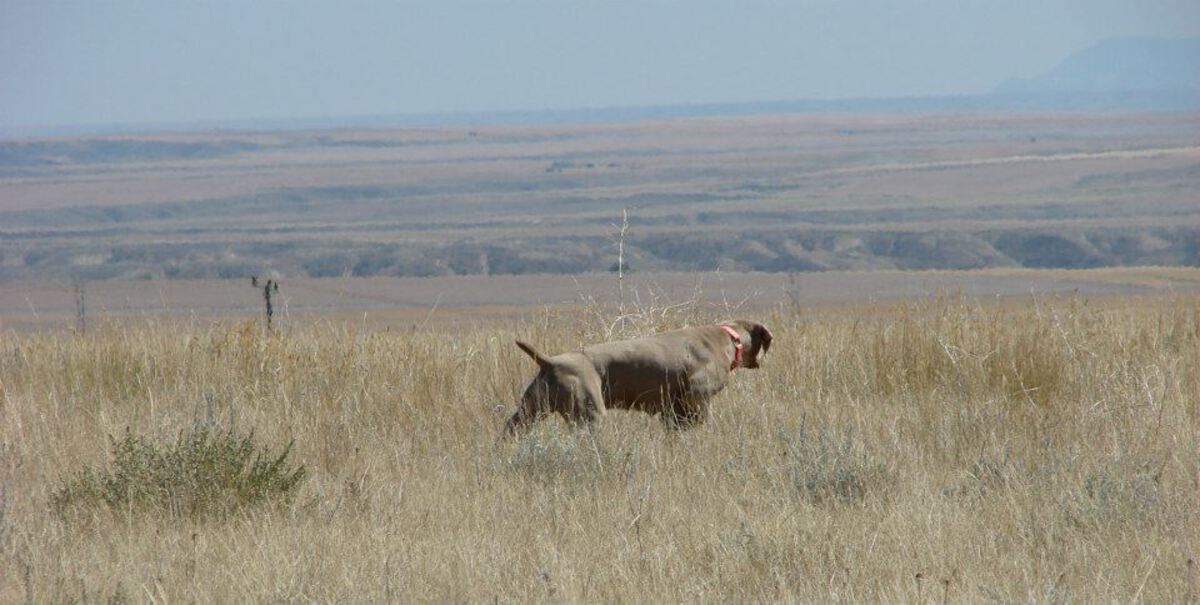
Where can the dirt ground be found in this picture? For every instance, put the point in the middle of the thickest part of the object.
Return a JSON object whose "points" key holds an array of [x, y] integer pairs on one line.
{"points": [[414, 301]]}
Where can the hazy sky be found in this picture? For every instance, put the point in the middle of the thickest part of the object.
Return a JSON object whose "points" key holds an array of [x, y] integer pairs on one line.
{"points": [[119, 61]]}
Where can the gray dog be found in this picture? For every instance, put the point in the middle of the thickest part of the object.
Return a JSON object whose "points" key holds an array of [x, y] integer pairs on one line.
{"points": [[673, 374]]}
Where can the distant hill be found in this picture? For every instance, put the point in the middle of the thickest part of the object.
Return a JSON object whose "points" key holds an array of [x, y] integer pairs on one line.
{"points": [[1119, 65]]}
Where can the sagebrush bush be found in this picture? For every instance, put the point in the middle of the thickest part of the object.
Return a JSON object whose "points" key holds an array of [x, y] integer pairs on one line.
{"points": [[827, 467], [202, 472], [547, 460]]}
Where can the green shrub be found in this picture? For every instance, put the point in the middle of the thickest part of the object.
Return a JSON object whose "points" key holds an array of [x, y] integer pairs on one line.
{"points": [[202, 472]]}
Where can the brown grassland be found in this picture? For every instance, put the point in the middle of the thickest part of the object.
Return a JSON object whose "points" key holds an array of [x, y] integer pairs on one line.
{"points": [[939, 450]]}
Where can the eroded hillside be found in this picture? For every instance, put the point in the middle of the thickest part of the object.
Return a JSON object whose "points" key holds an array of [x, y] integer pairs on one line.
{"points": [[789, 194]]}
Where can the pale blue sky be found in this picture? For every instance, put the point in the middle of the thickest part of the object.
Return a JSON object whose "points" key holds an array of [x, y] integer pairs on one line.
{"points": [[120, 61]]}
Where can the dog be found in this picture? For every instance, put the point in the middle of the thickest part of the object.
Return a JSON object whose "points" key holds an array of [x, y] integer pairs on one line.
{"points": [[673, 374]]}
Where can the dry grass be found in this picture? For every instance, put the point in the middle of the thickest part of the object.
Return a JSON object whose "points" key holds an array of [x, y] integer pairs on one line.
{"points": [[918, 452]]}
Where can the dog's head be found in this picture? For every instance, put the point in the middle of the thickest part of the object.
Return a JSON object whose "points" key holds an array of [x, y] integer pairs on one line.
{"points": [[759, 344]]}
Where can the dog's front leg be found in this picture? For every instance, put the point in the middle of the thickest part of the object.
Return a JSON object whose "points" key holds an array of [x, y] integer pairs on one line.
{"points": [[682, 413]]}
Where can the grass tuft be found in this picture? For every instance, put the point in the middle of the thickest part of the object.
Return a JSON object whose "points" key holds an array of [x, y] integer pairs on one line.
{"points": [[204, 472]]}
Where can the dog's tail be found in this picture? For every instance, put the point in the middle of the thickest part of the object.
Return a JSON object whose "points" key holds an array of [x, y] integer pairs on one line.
{"points": [[541, 360]]}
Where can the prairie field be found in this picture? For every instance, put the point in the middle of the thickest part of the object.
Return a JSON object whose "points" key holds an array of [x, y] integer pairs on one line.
{"points": [[939, 449]]}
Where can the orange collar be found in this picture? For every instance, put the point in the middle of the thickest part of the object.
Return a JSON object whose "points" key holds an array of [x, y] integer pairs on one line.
{"points": [[737, 346]]}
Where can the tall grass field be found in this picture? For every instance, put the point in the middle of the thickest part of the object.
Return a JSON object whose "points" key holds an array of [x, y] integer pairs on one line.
{"points": [[949, 450]]}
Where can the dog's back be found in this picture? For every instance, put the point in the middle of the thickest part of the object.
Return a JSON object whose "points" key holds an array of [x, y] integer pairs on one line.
{"points": [[644, 373]]}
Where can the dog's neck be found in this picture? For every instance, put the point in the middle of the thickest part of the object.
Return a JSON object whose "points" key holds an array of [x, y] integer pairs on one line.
{"points": [[737, 346]]}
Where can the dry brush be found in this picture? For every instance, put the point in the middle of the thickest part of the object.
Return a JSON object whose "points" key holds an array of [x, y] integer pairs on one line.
{"points": [[927, 451]]}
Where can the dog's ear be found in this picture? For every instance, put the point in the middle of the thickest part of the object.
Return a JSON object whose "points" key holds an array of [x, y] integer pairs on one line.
{"points": [[541, 361], [763, 335], [760, 341]]}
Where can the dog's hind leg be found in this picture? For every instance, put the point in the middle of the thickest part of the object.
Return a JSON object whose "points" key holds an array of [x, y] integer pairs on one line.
{"points": [[587, 408], [531, 408], [519, 422]]}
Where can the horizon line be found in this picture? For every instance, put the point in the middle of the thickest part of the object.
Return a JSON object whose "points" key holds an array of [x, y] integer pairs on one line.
{"points": [[1149, 101]]}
